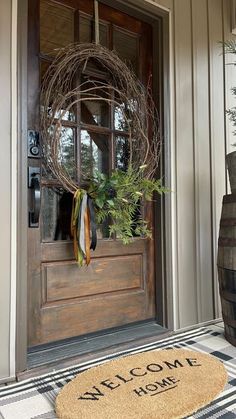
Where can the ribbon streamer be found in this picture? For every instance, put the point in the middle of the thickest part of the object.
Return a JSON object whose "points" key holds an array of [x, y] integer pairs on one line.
{"points": [[83, 226]]}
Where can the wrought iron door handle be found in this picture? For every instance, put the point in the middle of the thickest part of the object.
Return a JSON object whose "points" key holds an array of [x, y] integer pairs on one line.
{"points": [[34, 185]]}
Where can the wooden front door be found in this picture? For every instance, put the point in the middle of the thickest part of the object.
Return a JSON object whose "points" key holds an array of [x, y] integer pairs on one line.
{"points": [[117, 288]]}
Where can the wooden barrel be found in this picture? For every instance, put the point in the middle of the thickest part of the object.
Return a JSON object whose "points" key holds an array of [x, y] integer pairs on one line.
{"points": [[227, 266]]}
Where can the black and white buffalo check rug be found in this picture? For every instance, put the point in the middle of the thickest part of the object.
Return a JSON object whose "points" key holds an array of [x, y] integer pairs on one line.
{"points": [[34, 398]]}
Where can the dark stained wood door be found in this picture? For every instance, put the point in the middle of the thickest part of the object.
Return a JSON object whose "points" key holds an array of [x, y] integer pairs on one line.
{"points": [[117, 288]]}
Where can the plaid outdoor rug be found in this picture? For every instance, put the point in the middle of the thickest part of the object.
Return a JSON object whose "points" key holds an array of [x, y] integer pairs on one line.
{"points": [[34, 398]]}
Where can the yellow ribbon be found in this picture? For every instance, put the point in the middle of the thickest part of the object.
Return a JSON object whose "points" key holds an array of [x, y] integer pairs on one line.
{"points": [[78, 195], [76, 220]]}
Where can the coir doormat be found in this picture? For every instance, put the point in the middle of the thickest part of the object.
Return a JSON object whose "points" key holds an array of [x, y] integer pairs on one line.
{"points": [[171, 383]]}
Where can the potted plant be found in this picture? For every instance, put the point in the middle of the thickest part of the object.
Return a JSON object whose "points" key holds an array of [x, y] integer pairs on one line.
{"points": [[230, 48]]}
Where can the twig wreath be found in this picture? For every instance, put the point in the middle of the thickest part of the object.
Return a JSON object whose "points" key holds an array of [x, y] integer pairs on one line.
{"points": [[116, 196]]}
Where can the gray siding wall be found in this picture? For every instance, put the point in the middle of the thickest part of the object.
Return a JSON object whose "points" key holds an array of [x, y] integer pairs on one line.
{"points": [[202, 136], [5, 177]]}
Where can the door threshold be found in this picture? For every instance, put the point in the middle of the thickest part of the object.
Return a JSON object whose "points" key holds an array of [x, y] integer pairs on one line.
{"points": [[47, 358]]}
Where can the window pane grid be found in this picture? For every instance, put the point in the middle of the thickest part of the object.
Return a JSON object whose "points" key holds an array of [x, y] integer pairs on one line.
{"points": [[94, 132]]}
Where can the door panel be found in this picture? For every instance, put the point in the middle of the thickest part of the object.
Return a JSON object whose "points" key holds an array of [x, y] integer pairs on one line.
{"points": [[118, 287], [62, 282]]}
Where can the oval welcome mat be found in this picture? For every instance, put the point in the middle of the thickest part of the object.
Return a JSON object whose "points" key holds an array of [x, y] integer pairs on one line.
{"points": [[170, 383]]}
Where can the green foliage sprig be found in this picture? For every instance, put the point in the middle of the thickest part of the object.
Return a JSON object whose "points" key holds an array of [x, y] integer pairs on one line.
{"points": [[118, 197]]}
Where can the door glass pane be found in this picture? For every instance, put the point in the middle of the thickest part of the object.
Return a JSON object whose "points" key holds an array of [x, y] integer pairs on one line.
{"points": [[94, 153], [95, 113], [70, 114], [86, 34], [122, 152], [103, 34], [86, 31], [121, 116], [56, 207], [126, 45], [56, 27], [94, 108], [67, 150], [103, 230], [95, 157], [66, 114]]}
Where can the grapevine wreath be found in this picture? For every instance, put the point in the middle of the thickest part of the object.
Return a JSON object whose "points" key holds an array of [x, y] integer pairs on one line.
{"points": [[113, 197]]}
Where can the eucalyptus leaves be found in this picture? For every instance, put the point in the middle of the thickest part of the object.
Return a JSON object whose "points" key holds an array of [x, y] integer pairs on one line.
{"points": [[119, 198]]}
